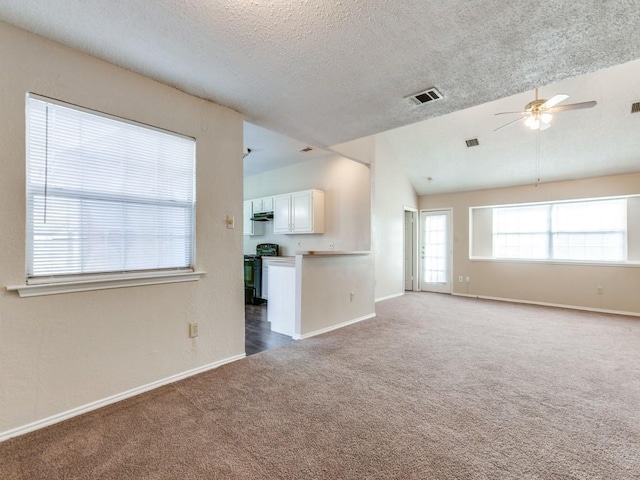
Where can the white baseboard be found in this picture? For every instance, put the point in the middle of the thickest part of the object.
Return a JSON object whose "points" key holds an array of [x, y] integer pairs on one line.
{"points": [[74, 412], [333, 327], [546, 304], [388, 297]]}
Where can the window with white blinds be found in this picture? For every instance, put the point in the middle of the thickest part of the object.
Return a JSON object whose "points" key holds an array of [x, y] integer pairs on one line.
{"points": [[105, 195], [594, 230]]}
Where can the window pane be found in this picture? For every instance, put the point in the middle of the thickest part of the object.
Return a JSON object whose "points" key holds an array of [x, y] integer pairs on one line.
{"points": [[435, 249], [593, 230], [585, 230], [534, 246], [589, 246], [521, 232], [529, 219], [106, 195], [592, 216]]}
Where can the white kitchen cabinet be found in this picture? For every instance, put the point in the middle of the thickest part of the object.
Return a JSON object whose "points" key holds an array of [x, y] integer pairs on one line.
{"points": [[267, 261], [250, 227], [261, 205], [299, 212], [281, 309], [282, 214]]}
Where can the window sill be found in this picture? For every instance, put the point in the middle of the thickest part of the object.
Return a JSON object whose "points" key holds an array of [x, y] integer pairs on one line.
{"points": [[629, 263], [103, 283]]}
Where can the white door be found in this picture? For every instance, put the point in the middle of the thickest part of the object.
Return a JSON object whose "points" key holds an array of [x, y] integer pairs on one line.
{"points": [[409, 250], [435, 251]]}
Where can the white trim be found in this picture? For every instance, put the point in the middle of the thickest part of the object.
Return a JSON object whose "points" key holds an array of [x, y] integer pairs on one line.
{"points": [[450, 282], [415, 254], [546, 304], [389, 297], [98, 113], [101, 283], [571, 200], [333, 327], [74, 412], [548, 261]]}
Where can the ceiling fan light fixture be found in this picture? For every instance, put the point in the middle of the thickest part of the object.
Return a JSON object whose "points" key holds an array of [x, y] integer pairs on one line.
{"points": [[532, 122], [546, 118]]}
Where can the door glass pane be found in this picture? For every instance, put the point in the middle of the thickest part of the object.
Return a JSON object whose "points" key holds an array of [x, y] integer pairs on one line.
{"points": [[435, 249]]}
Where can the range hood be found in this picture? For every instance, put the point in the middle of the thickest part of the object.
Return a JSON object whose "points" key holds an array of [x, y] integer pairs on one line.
{"points": [[262, 217]]}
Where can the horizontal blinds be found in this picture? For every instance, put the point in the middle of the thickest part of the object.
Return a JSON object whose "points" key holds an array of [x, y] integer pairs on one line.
{"points": [[105, 195], [583, 230]]}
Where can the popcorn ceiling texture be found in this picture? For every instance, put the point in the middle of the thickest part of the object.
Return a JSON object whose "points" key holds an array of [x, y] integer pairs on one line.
{"points": [[330, 71]]}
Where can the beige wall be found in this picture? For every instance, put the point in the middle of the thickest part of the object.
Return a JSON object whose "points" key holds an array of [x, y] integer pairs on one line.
{"points": [[347, 187], [392, 191], [574, 285], [63, 351], [324, 285]]}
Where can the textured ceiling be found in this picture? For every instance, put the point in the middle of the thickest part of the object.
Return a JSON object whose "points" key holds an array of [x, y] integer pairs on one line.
{"points": [[329, 71], [324, 72], [604, 140]]}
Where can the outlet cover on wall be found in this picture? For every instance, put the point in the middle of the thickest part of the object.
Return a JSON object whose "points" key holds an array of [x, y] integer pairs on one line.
{"points": [[193, 330]]}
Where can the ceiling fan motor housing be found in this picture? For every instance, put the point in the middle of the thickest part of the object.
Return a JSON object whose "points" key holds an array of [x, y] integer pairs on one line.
{"points": [[534, 106]]}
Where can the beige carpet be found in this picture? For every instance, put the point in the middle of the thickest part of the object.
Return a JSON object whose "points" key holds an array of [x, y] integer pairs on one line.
{"points": [[435, 387]]}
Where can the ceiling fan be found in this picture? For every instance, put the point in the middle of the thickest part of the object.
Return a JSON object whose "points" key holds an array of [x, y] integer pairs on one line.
{"points": [[538, 113]]}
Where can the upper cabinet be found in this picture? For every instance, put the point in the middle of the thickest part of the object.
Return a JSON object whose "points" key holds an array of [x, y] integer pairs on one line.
{"points": [[250, 227], [299, 212], [261, 205]]}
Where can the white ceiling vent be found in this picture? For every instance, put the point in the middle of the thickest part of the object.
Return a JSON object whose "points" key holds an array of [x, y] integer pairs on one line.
{"points": [[427, 96], [635, 107], [472, 142]]}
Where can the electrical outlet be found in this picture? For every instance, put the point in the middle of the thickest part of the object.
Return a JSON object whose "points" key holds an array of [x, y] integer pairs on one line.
{"points": [[468, 279], [352, 297], [331, 245], [460, 279], [231, 222], [193, 330], [299, 244], [600, 290]]}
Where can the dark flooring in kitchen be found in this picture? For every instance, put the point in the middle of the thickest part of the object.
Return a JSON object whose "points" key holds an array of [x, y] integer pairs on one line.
{"points": [[258, 334]]}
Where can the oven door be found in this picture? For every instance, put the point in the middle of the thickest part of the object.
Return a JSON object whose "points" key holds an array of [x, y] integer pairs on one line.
{"points": [[252, 278]]}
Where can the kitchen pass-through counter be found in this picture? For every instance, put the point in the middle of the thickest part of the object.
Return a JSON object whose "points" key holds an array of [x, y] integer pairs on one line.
{"points": [[318, 291]]}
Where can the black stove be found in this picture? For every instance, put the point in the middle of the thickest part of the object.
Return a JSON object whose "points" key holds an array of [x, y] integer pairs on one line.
{"points": [[253, 272]]}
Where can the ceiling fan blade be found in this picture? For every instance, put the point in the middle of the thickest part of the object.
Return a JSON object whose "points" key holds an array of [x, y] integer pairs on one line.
{"points": [[573, 106], [510, 113], [553, 101], [510, 123]]}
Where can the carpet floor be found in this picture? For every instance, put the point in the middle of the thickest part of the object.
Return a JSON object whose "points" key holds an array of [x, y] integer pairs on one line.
{"points": [[434, 387]]}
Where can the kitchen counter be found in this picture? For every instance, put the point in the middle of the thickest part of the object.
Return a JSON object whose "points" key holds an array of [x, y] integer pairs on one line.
{"points": [[331, 252], [279, 260]]}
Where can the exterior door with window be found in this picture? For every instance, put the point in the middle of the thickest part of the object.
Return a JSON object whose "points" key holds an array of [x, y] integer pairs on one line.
{"points": [[435, 251]]}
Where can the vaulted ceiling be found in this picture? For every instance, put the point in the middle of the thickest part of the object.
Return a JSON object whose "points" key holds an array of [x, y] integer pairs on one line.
{"points": [[325, 72]]}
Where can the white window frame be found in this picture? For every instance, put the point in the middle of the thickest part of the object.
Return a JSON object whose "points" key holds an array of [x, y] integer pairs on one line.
{"points": [[64, 283], [491, 258]]}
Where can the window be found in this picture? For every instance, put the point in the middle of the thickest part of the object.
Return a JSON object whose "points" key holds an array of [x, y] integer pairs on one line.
{"points": [[593, 230], [105, 195]]}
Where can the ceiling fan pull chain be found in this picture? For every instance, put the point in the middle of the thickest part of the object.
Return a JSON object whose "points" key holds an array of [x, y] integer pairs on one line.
{"points": [[537, 157]]}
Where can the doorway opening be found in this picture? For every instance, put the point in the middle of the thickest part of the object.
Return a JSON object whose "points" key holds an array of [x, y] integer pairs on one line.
{"points": [[410, 249]]}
